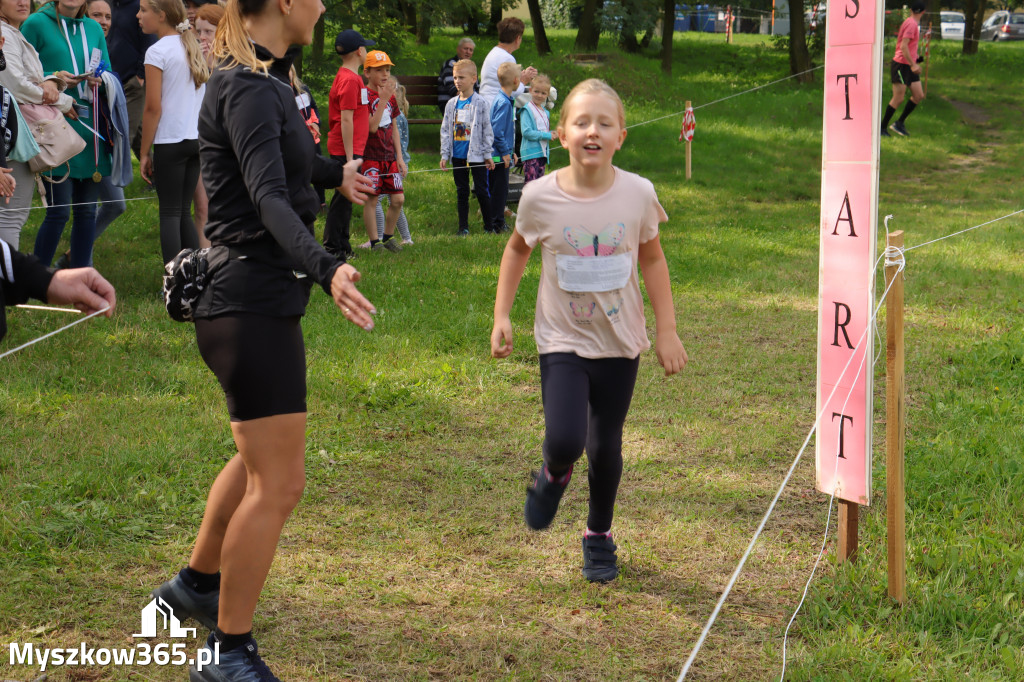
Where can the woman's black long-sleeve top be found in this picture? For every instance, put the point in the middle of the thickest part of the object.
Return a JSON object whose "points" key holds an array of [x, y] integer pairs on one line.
{"points": [[258, 166]]}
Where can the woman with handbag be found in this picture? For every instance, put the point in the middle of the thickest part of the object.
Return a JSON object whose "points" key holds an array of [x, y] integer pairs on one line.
{"points": [[70, 45], [24, 79], [258, 167]]}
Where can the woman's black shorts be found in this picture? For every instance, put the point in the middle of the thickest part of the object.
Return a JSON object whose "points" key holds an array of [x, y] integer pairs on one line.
{"points": [[902, 74], [260, 362]]}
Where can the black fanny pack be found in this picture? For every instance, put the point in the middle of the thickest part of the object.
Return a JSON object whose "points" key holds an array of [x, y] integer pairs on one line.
{"points": [[187, 275]]}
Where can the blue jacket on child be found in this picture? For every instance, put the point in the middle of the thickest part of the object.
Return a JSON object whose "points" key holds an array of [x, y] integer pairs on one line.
{"points": [[503, 123], [531, 147]]}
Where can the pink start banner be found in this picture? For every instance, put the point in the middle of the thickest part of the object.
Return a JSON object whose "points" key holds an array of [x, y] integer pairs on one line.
{"points": [[849, 218]]}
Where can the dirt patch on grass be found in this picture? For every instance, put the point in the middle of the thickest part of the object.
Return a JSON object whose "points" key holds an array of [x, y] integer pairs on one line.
{"points": [[971, 113]]}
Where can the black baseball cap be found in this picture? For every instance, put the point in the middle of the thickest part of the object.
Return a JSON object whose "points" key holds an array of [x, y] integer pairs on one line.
{"points": [[917, 6], [351, 40]]}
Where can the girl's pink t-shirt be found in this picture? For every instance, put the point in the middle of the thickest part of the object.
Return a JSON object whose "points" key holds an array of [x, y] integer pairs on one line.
{"points": [[608, 228]]}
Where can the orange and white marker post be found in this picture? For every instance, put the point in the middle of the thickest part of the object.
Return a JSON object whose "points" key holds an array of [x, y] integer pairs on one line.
{"points": [[927, 55], [728, 24], [686, 133]]}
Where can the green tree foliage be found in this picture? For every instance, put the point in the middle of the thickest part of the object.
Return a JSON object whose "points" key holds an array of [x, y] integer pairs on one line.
{"points": [[628, 18]]}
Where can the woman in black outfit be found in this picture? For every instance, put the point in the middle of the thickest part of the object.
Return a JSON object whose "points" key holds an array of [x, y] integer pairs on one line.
{"points": [[258, 165]]}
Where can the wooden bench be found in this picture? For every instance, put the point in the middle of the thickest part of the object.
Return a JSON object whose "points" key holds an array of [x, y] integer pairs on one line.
{"points": [[421, 91]]}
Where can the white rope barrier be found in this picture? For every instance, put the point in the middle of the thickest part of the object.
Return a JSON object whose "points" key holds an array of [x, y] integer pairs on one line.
{"points": [[53, 333], [771, 507], [892, 256]]}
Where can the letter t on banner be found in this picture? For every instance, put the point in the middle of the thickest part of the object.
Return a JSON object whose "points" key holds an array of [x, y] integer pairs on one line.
{"points": [[849, 218]]}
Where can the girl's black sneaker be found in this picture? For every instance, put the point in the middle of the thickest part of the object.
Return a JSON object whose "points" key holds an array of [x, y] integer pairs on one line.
{"points": [[599, 562]]}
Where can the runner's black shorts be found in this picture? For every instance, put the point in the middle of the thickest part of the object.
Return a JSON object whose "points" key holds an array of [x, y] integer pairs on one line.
{"points": [[260, 362], [902, 74]]}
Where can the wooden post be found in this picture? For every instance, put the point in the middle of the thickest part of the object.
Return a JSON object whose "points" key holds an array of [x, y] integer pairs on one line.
{"points": [[849, 521], [895, 417], [688, 167]]}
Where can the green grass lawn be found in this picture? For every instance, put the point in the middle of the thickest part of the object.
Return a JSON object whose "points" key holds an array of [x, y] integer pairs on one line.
{"points": [[408, 558]]}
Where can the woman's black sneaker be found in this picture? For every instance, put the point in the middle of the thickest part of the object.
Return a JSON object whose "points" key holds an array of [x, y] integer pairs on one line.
{"points": [[238, 665], [187, 603]]}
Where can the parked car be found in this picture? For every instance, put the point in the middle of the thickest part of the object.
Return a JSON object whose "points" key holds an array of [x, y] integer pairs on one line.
{"points": [[1003, 26], [952, 25]]}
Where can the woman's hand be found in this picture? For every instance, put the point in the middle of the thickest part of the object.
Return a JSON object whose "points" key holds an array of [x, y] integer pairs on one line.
{"points": [[93, 80], [146, 168], [353, 304], [355, 186], [7, 184], [72, 113], [84, 288], [501, 338], [50, 92], [68, 77]]}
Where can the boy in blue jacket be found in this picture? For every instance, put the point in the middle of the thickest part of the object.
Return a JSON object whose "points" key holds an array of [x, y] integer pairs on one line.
{"points": [[503, 123]]}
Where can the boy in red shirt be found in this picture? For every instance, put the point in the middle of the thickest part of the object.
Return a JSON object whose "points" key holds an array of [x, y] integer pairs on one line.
{"points": [[348, 118], [381, 162], [906, 71]]}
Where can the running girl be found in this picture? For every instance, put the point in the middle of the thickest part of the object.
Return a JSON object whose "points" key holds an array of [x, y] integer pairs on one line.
{"points": [[595, 223]]}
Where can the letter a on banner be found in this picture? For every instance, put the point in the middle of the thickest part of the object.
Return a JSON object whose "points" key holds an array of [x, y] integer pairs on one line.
{"points": [[849, 218]]}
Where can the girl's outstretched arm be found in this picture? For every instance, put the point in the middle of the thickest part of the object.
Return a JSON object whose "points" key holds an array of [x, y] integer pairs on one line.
{"points": [[667, 345], [513, 263]]}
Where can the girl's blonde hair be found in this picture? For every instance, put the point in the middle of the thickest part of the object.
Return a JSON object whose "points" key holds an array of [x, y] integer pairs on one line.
{"points": [[594, 86], [232, 44], [540, 79], [174, 15], [403, 103]]}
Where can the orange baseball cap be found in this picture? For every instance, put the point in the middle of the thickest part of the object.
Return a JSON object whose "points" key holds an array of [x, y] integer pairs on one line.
{"points": [[377, 58]]}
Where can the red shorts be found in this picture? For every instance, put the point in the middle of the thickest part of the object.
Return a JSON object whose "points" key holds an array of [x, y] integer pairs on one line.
{"points": [[384, 175]]}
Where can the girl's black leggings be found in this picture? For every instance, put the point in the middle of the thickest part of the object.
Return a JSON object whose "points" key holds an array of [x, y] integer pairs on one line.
{"points": [[585, 406], [175, 174]]}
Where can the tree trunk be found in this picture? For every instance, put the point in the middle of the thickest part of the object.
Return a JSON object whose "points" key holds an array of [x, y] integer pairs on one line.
{"points": [[412, 23], [496, 11], [539, 36], [318, 42], [799, 56], [590, 26], [423, 29], [668, 25], [974, 16], [628, 42], [645, 42]]}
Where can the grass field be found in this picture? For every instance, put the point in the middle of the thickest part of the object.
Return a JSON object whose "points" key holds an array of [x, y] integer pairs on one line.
{"points": [[408, 559]]}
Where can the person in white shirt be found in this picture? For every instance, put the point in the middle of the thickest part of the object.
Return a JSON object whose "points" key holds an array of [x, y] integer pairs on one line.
{"points": [[510, 37], [176, 75]]}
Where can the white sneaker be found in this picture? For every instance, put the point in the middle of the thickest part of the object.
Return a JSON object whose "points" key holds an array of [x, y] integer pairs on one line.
{"points": [[365, 245]]}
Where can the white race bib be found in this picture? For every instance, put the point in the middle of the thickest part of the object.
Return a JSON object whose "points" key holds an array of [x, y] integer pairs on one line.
{"points": [[462, 115], [364, 97], [593, 273], [302, 100], [385, 118], [94, 60]]}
